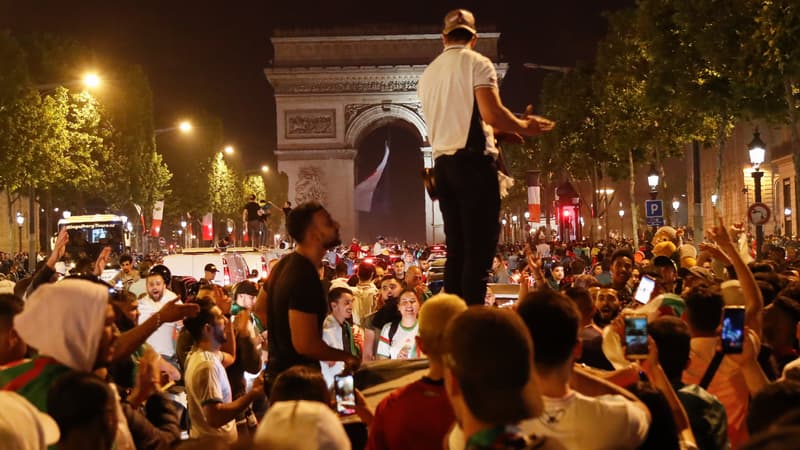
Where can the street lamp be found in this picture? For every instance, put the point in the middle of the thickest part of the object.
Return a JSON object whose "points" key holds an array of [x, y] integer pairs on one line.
{"points": [[20, 222], [757, 151], [514, 233], [265, 168], [228, 149], [66, 214], [183, 228], [676, 204], [621, 223], [184, 126], [91, 80], [652, 181]]}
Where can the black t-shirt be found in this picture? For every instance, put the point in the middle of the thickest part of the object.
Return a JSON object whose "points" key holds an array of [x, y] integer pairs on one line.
{"points": [[293, 284], [252, 210]]}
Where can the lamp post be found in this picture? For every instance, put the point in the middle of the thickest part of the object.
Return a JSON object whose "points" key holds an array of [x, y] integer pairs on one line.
{"points": [[20, 222], [757, 151], [505, 233], [514, 226], [652, 181], [621, 223], [182, 231], [676, 204], [183, 126]]}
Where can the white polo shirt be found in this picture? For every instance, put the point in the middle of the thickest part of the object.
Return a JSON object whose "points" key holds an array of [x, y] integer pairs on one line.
{"points": [[447, 92]]}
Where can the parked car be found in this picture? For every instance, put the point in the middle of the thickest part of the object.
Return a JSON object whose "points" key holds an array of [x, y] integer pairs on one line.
{"points": [[232, 265]]}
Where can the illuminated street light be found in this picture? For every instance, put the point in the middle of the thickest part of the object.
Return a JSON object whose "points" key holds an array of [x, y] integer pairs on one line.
{"points": [[787, 211], [265, 168], [714, 198], [527, 215], [228, 149], [184, 126], [757, 151], [91, 80], [66, 214], [20, 222]]}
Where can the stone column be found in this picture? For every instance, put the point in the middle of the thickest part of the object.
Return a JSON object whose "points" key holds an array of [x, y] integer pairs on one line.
{"points": [[434, 224]]}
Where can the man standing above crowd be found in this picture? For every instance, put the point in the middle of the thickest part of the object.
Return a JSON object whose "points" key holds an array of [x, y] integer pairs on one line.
{"points": [[461, 104], [297, 304], [251, 219]]}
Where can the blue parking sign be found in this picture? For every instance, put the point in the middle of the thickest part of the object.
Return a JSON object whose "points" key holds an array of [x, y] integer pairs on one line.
{"points": [[654, 208]]}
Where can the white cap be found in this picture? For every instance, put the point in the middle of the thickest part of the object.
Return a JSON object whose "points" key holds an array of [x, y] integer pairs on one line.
{"points": [[301, 425], [22, 426]]}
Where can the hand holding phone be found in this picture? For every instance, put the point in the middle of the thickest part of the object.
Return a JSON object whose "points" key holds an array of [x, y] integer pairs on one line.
{"points": [[733, 329], [646, 286], [344, 391], [636, 345]]}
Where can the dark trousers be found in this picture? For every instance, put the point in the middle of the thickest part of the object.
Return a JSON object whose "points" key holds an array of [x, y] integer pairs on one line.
{"points": [[469, 198]]}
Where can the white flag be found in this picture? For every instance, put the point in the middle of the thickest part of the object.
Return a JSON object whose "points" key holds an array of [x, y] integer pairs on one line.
{"points": [[158, 215], [366, 189]]}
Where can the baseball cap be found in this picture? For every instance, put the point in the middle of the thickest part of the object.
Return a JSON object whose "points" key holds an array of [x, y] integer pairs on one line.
{"points": [[211, 268], [699, 272], [23, 426], [664, 261], [459, 18], [301, 425], [490, 352]]}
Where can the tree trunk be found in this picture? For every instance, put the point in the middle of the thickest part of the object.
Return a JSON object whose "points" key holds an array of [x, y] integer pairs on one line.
{"points": [[793, 119], [634, 221], [595, 206]]}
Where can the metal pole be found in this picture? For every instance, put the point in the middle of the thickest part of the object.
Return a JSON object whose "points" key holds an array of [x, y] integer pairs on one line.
{"points": [[757, 175]]}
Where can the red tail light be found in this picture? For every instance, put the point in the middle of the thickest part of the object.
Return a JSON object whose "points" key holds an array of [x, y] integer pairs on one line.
{"points": [[263, 267], [226, 272]]}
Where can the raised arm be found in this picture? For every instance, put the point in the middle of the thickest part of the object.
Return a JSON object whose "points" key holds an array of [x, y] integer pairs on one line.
{"points": [[754, 302]]}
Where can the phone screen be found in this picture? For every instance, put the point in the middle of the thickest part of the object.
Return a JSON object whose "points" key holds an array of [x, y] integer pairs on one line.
{"points": [[732, 329], [636, 337], [645, 289], [344, 390]]}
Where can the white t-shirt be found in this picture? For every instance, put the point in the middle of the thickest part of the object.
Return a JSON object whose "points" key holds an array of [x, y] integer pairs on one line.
{"points": [[609, 422], [403, 338], [163, 339], [447, 92], [207, 382], [332, 335]]}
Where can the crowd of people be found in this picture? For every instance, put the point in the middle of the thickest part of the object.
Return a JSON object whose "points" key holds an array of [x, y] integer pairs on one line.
{"points": [[604, 347], [191, 364]]}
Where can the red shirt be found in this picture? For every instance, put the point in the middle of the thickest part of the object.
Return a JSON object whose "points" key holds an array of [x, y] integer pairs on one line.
{"points": [[416, 416]]}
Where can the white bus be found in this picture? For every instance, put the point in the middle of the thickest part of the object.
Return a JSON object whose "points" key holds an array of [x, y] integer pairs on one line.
{"points": [[90, 233]]}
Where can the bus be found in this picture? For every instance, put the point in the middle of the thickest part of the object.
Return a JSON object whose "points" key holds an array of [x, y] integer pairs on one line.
{"points": [[90, 233]]}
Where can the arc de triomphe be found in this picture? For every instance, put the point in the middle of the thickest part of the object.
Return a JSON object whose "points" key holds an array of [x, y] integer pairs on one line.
{"points": [[332, 91]]}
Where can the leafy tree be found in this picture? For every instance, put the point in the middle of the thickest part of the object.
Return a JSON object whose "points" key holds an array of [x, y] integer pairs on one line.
{"points": [[254, 184], [225, 189]]}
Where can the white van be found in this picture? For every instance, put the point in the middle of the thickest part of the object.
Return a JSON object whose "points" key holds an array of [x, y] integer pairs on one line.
{"points": [[232, 266]]}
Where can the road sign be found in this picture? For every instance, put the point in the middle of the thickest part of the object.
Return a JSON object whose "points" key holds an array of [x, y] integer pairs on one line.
{"points": [[655, 221], [162, 241], [654, 208], [758, 213]]}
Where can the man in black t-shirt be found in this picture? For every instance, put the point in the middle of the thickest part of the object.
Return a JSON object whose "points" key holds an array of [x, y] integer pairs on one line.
{"points": [[250, 219], [297, 301]]}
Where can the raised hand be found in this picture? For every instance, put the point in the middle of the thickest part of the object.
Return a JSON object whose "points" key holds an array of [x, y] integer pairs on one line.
{"points": [[173, 311]]}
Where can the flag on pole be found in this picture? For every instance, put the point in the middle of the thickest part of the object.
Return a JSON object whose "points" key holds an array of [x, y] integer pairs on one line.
{"points": [[158, 216], [534, 203], [366, 189], [141, 217], [208, 227]]}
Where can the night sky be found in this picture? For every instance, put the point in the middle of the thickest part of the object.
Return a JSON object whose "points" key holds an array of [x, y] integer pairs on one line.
{"points": [[210, 56]]}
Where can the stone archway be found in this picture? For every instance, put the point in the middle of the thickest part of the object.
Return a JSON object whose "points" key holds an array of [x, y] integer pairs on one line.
{"points": [[332, 91]]}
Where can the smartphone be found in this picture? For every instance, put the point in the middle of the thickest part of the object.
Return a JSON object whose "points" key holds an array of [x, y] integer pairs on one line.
{"points": [[636, 336], [645, 289], [344, 391], [733, 329]]}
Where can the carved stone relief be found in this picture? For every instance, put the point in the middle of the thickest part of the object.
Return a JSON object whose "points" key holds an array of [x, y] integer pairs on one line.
{"points": [[310, 185], [305, 124]]}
